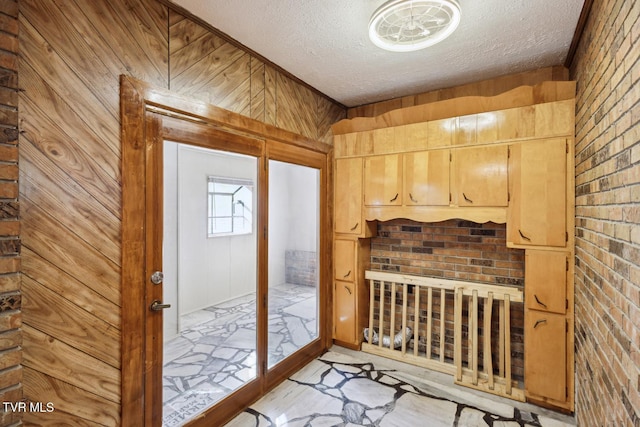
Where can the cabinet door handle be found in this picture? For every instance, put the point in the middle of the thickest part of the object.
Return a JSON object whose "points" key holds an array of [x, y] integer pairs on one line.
{"points": [[347, 275], [355, 226], [539, 302], [523, 236], [395, 197], [347, 288], [538, 322], [466, 198], [412, 199]]}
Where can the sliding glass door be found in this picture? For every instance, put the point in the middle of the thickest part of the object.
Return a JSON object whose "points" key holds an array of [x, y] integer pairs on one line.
{"points": [[294, 244], [210, 253]]}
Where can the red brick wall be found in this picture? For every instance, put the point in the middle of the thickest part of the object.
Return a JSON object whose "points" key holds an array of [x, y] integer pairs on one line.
{"points": [[10, 298], [607, 280]]}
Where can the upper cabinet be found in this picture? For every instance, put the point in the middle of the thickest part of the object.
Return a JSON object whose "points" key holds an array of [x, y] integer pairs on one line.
{"points": [[479, 176], [537, 214], [383, 180], [426, 178], [348, 196]]}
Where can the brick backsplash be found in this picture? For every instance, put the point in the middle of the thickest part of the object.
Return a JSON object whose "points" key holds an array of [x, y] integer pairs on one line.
{"points": [[453, 249]]}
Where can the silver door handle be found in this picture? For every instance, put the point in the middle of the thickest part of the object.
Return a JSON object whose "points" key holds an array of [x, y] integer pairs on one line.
{"points": [[158, 306]]}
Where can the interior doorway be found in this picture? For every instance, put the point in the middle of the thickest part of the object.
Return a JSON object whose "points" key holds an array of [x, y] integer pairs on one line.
{"points": [[224, 292]]}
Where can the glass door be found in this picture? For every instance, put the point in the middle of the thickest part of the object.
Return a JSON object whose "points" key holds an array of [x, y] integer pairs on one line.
{"points": [[210, 253], [293, 259]]}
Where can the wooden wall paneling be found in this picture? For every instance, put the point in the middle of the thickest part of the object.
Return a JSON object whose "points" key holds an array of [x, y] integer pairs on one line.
{"points": [[68, 399], [328, 114], [139, 45], [270, 95], [63, 81], [50, 313], [62, 283], [66, 363], [209, 68], [257, 89], [296, 108]]}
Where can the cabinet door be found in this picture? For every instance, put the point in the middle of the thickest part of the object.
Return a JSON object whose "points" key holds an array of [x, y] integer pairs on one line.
{"points": [[348, 196], [382, 180], [479, 176], [344, 312], [545, 281], [345, 267], [426, 178], [545, 360], [537, 212]]}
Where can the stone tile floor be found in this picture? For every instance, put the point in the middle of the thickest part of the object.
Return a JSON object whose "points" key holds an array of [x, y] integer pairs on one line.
{"points": [[347, 388], [216, 351]]}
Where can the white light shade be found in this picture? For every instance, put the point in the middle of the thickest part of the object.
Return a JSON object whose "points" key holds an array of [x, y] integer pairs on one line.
{"points": [[407, 25]]}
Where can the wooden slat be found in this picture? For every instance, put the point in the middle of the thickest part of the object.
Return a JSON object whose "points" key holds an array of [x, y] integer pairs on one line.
{"points": [[474, 338], [507, 343], [501, 332], [392, 320], [457, 339], [488, 365], [443, 320], [297, 107], [416, 321], [404, 317], [381, 315], [429, 320], [372, 300]]}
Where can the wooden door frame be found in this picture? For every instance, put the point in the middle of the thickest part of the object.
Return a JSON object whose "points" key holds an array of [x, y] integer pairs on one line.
{"points": [[150, 115]]}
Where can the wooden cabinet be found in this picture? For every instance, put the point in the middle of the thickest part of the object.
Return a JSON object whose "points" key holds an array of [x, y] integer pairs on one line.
{"points": [[350, 295], [537, 214], [348, 196], [546, 280], [383, 180], [545, 361], [411, 179], [546, 334], [426, 178], [479, 176]]}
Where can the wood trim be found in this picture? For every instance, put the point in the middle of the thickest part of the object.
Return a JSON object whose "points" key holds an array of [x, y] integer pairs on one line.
{"points": [[577, 35], [522, 96], [132, 108]]}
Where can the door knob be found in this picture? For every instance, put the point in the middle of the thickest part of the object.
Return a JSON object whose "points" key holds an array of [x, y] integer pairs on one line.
{"points": [[157, 277], [158, 306]]}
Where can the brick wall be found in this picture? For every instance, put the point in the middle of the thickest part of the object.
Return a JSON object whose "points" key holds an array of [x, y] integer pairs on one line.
{"points": [[607, 280], [458, 250], [10, 299]]}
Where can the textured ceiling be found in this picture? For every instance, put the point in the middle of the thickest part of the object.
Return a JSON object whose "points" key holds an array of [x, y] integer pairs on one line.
{"points": [[325, 43]]}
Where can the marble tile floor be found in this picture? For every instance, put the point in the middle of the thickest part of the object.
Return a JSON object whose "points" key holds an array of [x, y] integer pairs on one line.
{"points": [[347, 388], [216, 351]]}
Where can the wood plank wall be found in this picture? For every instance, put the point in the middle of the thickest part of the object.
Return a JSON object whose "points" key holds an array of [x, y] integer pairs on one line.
{"points": [[71, 55], [10, 298]]}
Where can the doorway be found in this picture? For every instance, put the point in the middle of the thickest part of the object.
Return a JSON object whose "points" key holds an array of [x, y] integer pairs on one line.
{"points": [[225, 259]]}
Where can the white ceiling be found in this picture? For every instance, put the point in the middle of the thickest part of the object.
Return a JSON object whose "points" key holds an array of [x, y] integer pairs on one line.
{"points": [[325, 43]]}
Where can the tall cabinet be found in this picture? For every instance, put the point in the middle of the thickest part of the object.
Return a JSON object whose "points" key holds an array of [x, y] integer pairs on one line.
{"points": [[509, 161]]}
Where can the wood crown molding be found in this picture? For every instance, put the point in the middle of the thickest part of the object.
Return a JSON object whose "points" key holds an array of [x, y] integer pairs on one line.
{"points": [[522, 96]]}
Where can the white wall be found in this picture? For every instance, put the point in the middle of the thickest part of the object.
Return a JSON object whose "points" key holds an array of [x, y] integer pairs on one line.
{"points": [[209, 270], [293, 214]]}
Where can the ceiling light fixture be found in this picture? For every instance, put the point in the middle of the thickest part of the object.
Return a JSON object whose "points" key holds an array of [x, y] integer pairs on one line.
{"points": [[408, 25]]}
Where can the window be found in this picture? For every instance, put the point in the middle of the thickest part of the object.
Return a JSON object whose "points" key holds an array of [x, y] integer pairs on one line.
{"points": [[229, 206]]}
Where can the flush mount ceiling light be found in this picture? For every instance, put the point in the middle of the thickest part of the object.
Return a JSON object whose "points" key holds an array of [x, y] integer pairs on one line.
{"points": [[407, 25]]}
